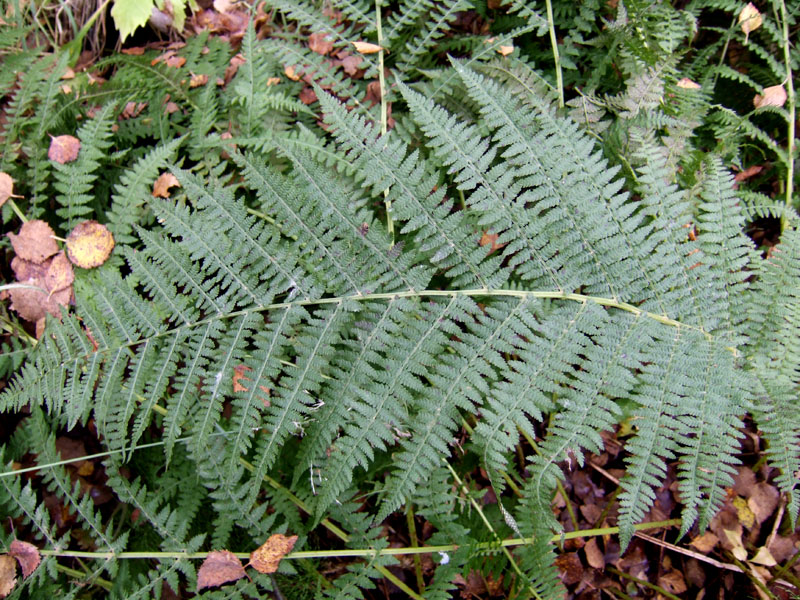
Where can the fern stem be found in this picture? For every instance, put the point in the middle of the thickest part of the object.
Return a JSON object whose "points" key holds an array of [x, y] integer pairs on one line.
{"points": [[17, 211], [645, 583], [357, 552], [556, 56], [412, 535], [103, 583], [486, 522], [384, 113], [790, 100]]}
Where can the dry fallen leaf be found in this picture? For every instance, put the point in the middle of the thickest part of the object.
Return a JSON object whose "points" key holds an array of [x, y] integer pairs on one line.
{"points": [[505, 50], [64, 149], [291, 73], [688, 84], [163, 183], [89, 244], [749, 19], [319, 43], [490, 239], [138, 51], [175, 61], [673, 582], [265, 558], [773, 96], [219, 567], [8, 575], [594, 556], [705, 542], [236, 61], [6, 188], [34, 242], [764, 557], [734, 539], [198, 80], [743, 512], [239, 376], [59, 274], [27, 556], [366, 47], [763, 501]]}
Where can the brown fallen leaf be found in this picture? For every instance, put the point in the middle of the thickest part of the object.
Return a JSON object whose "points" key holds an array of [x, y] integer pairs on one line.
{"points": [[748, 173], [34, 242], [33, 304], [27, 556], [239, 376], [236, 61], [490, 239], [673, 582], [163, 183], [749, 19], [319, 43], [307, 95], [763, 501], [594, 556], [267, 557], [175, 62], [59, 273], [773, 96], [138, 51], [64, 149], [89, 244], [764, 557], [8, 575], [6, 188], [219, 567], [366, 47], [705, 543]]}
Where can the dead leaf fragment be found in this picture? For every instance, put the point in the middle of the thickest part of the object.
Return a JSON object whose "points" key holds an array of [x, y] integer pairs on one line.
{"points": [[8, 575], [366, 47], [673, 582], [688, 84], [59, 274], [163, 183], [594, 556], [734, 539], [33, 304], [505, 50], [89, 244], [764, 557], [319, 43], [220, 566], [773, 96], [750, 19], [198, 80], [291, 73], [27, 556], [265, 558], [239, 376], [746, 516], [175, 62], [6, 188], [705, 543], [138, 51], [64, 149], [763, 501], [34, 242]]}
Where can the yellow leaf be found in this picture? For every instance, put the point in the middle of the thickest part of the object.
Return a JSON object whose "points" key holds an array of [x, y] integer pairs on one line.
{"points": [[749, 19], [505, 50], [688, 84], [89, 244], [265, 558], [366, 47], [764, 557]]}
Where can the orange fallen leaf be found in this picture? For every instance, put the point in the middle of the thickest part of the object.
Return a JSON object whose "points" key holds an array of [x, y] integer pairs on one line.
{"points": [[749, 19], [34, 242], [490, 239], [27, 556], [505, 50], [688, 84], [705, 543], [673, 582], [133, 51], [239, 376], [773, 96], [366, 47], [198, 80], [59, 274], [219, 567], [68, 74], [748, 173], [291, 73], [89, 244], [267, 557], [163, 183], [8, 575], [64, 149]]}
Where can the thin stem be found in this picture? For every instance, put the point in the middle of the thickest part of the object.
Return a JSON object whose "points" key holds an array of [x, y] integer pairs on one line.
{"points": [[106, 585], [644, 583], [384, 113], [16, 210], [357, 552], [790, 107], [556, 57], [412, 535]]}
